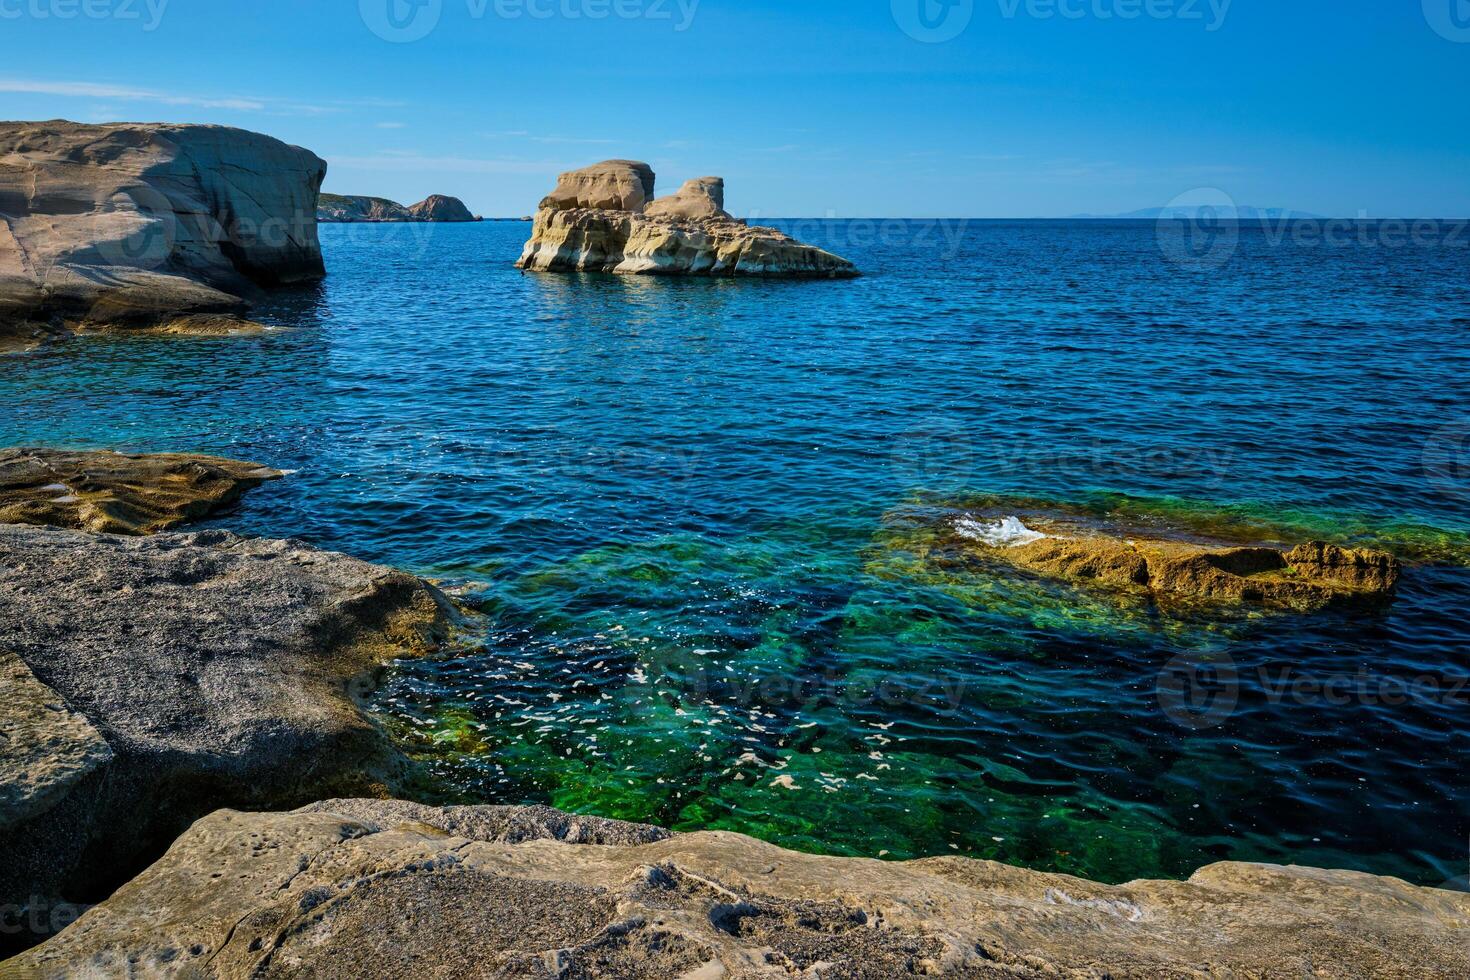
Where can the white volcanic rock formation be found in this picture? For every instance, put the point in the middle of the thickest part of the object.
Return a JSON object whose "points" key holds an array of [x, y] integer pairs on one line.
{"points": [[137, 224], [703, 197], [603, 219], [613, 185]]}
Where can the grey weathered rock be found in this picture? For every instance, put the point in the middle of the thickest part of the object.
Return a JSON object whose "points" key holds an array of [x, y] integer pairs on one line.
{"points": [[599, 219], [353, 889], [216, 671], [128, 224], [119, 493]]}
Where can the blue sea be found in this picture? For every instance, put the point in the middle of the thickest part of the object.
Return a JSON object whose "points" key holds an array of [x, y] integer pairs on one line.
{"points": [[695, 516]]}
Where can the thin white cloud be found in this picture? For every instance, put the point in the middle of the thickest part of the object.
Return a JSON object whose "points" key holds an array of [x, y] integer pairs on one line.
{"points": [[567, 139], [90, 90], [420, 163], [522, 134], [391, 125], [237, 103]]}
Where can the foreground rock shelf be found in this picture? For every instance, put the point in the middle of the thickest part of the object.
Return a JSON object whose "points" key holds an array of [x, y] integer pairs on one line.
{"points": [[154, 680], [121, 226], [604, 218], [119, 493], [357, 888]]}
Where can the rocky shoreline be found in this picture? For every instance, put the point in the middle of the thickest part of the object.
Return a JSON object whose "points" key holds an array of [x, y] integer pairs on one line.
{"points": [[252, 654], [185, 762]]}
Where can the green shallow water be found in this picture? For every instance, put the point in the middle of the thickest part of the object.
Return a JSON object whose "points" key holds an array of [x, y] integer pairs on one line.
{"points": [[832, 689]]}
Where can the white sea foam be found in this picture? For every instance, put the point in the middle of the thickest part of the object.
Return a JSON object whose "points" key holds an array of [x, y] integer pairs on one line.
{"points": [[1008, 532]]}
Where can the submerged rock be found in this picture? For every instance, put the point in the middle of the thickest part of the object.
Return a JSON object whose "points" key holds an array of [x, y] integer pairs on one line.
{"points": [[353, 888], [145, 682], [1304, 578], [600, 219], [119, 493], [338, 208], [126, 225]]}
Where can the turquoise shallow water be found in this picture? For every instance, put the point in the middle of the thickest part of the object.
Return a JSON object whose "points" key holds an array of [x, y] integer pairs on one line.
{"points": [[693, 514]]}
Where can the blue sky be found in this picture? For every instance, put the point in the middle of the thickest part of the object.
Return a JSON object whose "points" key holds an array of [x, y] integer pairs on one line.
{"points": [[807, 107]]}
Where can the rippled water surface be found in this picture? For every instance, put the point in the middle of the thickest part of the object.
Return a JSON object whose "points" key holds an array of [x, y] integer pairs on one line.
{"points": [[693, 514]]}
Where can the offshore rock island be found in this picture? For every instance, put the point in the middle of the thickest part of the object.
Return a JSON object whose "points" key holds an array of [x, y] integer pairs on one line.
{"points": [[345, 209], [605, 218]]}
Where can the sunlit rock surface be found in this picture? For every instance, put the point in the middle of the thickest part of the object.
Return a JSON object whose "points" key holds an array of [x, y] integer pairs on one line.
{"points": [[355, 888], [124, 225]]}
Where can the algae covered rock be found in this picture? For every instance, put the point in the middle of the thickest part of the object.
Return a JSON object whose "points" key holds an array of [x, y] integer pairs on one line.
{"points": [[119, 493], [357, 888], [1172, 564]]}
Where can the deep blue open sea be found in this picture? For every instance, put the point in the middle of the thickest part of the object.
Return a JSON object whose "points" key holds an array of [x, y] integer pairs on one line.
{"points": [[691, 512]]}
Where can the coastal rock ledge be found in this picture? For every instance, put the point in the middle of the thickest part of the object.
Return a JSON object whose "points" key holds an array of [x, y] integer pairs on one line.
{"points": [[364, 888], [604, 218], [119, 493]]}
